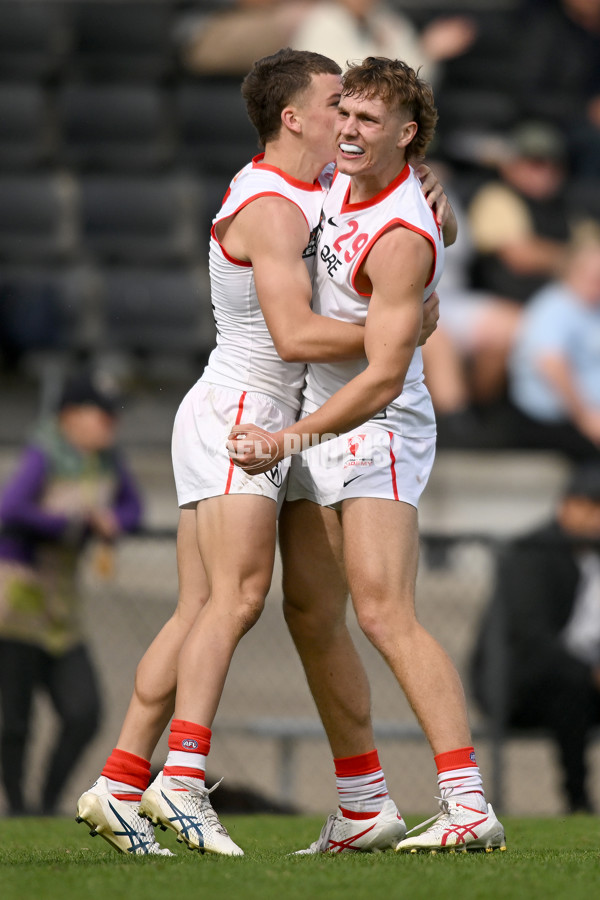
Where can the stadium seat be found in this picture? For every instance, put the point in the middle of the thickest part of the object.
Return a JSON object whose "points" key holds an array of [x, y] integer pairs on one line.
{"points": [[37, 221], [121, 126], [26, 134], [45, 309], [215, 133], [117, 38], [157, 311], [140, 219], [33, 38]]}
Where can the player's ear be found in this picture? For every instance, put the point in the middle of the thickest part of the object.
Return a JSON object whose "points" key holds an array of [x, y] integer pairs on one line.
{"points": [[407, 132], [291, 120]]}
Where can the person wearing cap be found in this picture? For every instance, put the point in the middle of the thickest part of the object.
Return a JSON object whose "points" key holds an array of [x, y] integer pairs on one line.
{"points": [[518, 218], [546, 605], [70, 485]]}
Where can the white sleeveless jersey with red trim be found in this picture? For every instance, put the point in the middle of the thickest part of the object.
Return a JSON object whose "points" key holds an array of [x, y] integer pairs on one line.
{"points": [[245, 357], [348, 231]]}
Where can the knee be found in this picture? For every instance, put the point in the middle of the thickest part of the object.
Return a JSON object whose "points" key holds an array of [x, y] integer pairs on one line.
{"points": [[371, 623], [383, 622], [312, 623], [248, 610]]}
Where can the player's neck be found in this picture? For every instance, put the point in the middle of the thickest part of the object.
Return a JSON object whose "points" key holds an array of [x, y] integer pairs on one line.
{"points": [[365, 186], [295, 162]]}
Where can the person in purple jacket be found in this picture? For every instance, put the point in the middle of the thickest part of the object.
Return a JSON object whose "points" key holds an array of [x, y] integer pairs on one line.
{"points": [[70, 485]]}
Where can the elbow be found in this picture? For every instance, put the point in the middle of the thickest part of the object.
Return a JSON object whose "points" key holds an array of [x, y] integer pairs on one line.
{"points": [[290, 352], [389, 392]]}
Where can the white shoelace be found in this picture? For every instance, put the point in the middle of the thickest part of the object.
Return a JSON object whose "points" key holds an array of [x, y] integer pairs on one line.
{"points": [[444, 811], [323, 840], [201, 794]]}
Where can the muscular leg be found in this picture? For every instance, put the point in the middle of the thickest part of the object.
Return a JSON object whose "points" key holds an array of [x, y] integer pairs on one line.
{"points": [[236, 535], [315, 600], [153, 699], [381, 548]]}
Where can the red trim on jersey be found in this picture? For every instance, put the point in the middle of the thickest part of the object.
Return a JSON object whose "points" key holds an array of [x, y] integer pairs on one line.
{"points": [[257, 163], [393, 468], [238, 419], [352, 207], [213, 233], [388, 225]]}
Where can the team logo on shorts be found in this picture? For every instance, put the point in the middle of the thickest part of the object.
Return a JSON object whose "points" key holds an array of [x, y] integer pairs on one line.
{"points": [[275, 476]]}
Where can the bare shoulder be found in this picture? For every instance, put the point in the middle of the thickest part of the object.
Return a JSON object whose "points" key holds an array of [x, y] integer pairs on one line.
{"points": [[275, 219], [267, 225], [399, 249]]}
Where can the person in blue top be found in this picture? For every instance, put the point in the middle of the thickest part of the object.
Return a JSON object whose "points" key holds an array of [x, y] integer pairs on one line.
{"points": [[554, 370], [70, 485]]}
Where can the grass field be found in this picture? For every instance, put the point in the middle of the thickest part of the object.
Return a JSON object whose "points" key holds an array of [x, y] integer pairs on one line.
{"points": [[55, 858]]}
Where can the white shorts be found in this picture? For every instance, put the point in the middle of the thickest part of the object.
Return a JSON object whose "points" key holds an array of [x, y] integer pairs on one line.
{"points": [[370, 462], [201, 463]]}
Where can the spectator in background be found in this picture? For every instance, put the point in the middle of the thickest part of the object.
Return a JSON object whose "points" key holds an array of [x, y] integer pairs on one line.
{"points": [[228, 42], [70, 485], [519, 220], [350, 30], [546, 604], [465, 359], [555, 365], [558, 61]]}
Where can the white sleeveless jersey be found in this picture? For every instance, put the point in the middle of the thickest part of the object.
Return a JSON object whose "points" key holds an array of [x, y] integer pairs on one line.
{"points": [[245, 357], [347, 233]]}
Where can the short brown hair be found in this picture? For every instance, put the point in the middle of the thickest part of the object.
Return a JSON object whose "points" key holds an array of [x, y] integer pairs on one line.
{"points": [[275, 81], [398, 86]]}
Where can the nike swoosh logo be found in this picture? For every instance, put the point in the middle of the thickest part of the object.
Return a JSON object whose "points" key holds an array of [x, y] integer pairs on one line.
{"points": [[331, 222], [350, 480]]}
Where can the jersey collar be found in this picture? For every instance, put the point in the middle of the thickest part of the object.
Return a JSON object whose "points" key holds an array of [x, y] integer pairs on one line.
{"points": [[350, 207], [257, 163]]}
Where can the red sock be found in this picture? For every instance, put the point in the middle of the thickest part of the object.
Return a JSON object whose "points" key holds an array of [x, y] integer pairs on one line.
{"points": [[189, 745], [128, 775], [361, 785], [459, 777]]}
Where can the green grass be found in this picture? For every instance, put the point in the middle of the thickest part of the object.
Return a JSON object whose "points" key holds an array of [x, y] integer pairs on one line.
{"points": [[56, 859]]}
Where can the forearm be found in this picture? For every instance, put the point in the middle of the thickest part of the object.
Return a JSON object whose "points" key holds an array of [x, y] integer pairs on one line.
{"points": [[323, 339], [534, 256], [353, 405], [450, 227]]}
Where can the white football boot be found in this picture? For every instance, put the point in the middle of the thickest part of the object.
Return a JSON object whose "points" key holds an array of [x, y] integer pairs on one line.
{"points": [[189, 814], [457, 828], [117, 821], [343, 835]]}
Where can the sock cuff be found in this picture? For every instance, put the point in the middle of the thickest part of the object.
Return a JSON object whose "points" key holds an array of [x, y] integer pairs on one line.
{"points": [[363, 764], [127, 768], [189, 736], [462, 758]]}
